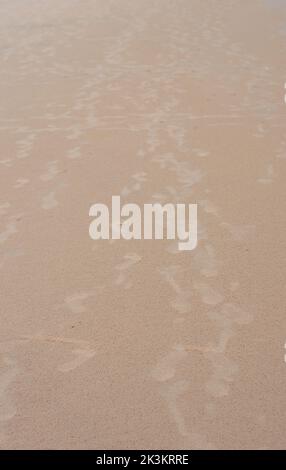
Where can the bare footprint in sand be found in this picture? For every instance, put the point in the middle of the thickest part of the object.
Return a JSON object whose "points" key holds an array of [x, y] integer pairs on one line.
{"points": [[51, 172], [139, 179], [269, 176], [83, 355], [208, 295], [223, 375], [10, 230], [209, 207], [74, 153], [240, 233], [182, 303], [83, 350], [233, 313], [4, 207], [173, 394], [20, 182], [169, 274], [75, 302], [7, 162], [200, 152], [49, 201], [129, 261], [7, 409], [166, 367], [206, 262]]}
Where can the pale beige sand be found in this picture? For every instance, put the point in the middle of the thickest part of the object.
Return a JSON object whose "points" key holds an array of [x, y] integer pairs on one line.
{"points": [[135, 345]]}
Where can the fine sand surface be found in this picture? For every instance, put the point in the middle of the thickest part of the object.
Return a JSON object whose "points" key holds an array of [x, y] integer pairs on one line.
{"points": [[133, 344]]}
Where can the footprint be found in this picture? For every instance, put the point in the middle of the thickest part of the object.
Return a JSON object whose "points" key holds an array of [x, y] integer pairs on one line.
{"points": [[200, 152], [49, 201], [74, 153], [236, 314], [83, 350], [25, 146], [172, 395], [83, 355], [139, 179], [169, 273], [141, 153], [209, 207], [7, 162], [268, 179], [205, 261], [75, 302], [8, 232], [4, 207], [240, 233], [222, 376], [21, 182], [208, 295], [166, 367], [182, 303], [52, 171], [129, 261], [7, 409]]}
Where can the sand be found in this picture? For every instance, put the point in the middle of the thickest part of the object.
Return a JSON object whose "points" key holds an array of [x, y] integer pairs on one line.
{"points": [[134, 344]]}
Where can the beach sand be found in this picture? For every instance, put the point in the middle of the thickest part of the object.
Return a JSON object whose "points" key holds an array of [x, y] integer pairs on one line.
{"points": [[133, 344]]}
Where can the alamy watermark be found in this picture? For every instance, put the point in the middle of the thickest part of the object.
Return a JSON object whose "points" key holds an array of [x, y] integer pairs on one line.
{"points": [[170, 221]]}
